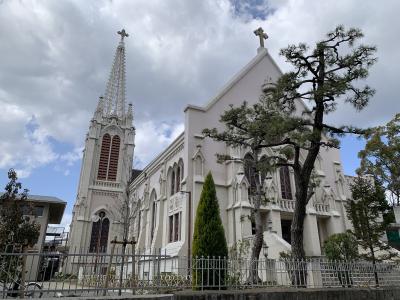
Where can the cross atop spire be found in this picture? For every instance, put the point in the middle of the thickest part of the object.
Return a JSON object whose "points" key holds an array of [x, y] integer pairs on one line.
{"points": [[262, 35], [123, 34], [114, 97]]}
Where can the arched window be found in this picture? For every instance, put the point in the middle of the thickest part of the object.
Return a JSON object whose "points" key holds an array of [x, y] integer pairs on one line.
{"points": [[173, 182], [99, 236], [250, 172], [104, 155], [286, 187], [109, 155]]}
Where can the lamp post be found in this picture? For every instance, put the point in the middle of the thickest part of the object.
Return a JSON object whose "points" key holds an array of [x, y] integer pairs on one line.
{"points": [[189, 235]]}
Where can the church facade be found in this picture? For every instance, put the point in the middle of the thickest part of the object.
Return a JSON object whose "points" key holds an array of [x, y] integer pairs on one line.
{"points": [[168, 189]]}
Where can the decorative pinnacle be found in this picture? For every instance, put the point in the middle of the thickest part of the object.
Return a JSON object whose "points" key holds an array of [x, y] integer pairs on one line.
{"points": [[115, 92], [100, 106], [129, 114], [262, 35]]}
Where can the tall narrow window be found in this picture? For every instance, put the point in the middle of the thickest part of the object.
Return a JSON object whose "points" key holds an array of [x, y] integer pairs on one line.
{"points": [[153, 219], [139, 221], [253, 224], [174, 230], [250, 172], [176, 227], [180, 222], [178, 179], [114, 155], [171, 229], [99, 236], [173, 183], [286, 188], [104, 156]]}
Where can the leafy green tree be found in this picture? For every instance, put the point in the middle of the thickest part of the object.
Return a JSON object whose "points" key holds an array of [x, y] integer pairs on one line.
{"points": [[381, 157], [209, 236], [341, 246], [322, 76], [17, 226], [365, 211]]}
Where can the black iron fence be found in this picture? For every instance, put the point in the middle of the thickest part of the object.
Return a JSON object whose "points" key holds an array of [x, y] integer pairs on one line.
{"points": [[28, 274]]}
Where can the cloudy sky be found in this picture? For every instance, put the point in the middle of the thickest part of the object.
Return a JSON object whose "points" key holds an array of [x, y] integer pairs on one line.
{"points": [[56, 57]]}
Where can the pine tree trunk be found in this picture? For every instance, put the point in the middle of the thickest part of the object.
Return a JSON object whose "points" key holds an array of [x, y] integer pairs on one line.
{"points": [[302, 180], [302, 176], [299, 278], [258, 238]]}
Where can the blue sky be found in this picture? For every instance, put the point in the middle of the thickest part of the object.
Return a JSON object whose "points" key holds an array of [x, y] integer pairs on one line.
{"points": [[57, 57]]}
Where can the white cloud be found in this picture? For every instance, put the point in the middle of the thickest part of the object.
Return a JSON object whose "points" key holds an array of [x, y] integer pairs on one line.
{"points": [[57, 57], [24, 145], [152, 138], [72, 156], [308, 21], [66, 221]]}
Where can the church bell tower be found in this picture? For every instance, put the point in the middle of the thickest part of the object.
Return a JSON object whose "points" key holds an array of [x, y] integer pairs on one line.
{"points": [[106, 165]]}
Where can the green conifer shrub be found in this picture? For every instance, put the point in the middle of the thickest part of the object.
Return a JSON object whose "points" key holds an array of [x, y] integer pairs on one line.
{"points": [[209, 240]]}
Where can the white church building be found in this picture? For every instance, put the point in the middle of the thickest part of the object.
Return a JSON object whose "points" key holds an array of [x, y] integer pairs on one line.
{"points": [[169, 187]]}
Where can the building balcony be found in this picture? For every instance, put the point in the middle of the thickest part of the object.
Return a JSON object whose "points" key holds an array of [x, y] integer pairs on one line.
{"points": [[321, 208], [288, 205]]}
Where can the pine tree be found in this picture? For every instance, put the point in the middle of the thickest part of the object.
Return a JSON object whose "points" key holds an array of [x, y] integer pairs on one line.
{"points": [[323, 77], [209, 238]]}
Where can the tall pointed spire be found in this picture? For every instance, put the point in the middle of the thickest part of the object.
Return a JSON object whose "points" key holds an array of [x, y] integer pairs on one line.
{"points": [[114, 97]]}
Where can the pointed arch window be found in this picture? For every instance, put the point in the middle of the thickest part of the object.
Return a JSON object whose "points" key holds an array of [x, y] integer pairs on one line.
{"points": [[99, 236], [286, 187], [178, 179], [109, 156], [153, 219], [172, 182], [153, 215]]}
